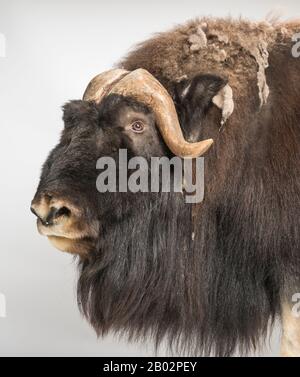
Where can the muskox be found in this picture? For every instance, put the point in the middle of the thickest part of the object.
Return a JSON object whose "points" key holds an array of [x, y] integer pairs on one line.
{"points": [[209, 278]]}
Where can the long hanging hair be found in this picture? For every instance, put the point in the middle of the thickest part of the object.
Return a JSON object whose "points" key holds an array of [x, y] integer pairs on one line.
{"points": [[209, 278]]}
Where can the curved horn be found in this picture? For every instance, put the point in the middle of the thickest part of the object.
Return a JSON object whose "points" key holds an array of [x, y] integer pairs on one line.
{"points": [[101, 84], [142, 86]]}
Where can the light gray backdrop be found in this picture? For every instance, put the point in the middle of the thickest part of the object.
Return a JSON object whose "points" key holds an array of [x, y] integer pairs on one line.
{"points": [[53, 48]]}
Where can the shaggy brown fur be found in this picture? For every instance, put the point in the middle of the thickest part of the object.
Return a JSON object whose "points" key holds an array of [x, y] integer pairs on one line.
{"points": [[229, 50], [210, 277], [256, 162]]}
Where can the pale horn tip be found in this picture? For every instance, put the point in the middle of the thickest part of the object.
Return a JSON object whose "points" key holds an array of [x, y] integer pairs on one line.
{"points": [[201, 147]]}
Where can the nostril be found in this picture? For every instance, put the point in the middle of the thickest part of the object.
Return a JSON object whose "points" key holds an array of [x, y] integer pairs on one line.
{"points": [[45, 223], [55, 213], [63, 211]]}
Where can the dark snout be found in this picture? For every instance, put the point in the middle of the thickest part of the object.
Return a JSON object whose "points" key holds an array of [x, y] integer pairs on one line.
{"points": [[64, 223], [57, 215], [49, 209]]}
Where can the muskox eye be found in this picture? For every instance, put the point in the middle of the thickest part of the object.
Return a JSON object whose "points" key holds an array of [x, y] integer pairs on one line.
{"points": [[137, 127]]}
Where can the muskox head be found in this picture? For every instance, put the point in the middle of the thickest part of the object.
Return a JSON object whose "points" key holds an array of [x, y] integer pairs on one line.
{"points": [[139, 266], [119, 110]]}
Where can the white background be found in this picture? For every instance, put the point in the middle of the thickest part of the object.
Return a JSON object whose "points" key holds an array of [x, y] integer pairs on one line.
{"points": [[53, 49]]}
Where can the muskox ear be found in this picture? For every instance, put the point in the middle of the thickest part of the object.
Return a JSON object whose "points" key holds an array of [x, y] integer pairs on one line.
{"points": [[79, 112], [198, 93], [194, 97]]}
